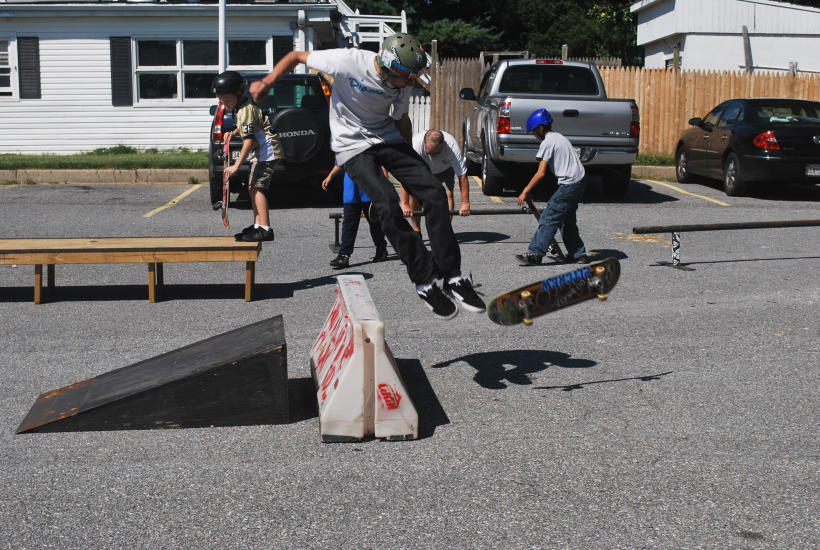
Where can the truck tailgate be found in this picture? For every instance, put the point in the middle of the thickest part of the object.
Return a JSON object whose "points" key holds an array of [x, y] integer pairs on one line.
{"points": [[583, 121]]}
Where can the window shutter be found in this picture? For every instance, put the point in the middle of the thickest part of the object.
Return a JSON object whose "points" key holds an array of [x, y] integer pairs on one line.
{"points": [[121, 93], [282, 45], [28, 61]]}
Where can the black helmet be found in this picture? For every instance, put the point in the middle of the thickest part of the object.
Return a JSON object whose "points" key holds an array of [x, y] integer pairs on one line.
{"points": [[227, 83]]}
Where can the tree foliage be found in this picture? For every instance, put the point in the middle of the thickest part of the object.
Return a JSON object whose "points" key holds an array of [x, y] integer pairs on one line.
{"points": [[464, 28]]}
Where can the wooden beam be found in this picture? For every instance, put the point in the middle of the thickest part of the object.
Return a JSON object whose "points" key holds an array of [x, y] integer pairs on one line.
{"points": [[250, 276], [152, 288], [38, 284]]}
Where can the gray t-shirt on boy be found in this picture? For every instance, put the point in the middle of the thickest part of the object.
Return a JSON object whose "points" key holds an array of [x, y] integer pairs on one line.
{"points": [[561, 157], [359, 105]]}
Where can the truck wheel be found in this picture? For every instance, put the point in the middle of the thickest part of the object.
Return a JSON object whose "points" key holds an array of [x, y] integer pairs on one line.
{"points": [[473, 168], [490, 185], [616, 181], [216, 189]]}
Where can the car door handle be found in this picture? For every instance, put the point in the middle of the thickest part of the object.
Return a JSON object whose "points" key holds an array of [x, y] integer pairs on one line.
{"points": [[706, 136], [725, 136]]}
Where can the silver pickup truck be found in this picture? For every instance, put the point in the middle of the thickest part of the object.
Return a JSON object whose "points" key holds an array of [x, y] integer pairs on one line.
{"points": [[603, 131]]}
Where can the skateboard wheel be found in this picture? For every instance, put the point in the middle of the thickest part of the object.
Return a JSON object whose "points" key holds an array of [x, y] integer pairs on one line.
{"points": [[526, 295], [602, 297], [528, 322], [600, 270]]}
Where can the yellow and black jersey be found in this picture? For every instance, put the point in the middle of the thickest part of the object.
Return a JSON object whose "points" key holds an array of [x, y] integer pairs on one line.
{"points": [[252, 124]]}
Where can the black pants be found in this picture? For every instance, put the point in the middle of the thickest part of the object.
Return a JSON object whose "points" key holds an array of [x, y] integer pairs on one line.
{"points": [[406, 165], [350, 227]]}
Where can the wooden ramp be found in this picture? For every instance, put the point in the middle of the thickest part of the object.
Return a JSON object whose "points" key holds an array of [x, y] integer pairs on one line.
{"points": [[238, 378]]}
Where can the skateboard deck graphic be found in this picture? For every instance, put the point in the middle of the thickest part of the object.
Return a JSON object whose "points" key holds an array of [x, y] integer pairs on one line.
{"points": [[226, 183], [542, 297]]}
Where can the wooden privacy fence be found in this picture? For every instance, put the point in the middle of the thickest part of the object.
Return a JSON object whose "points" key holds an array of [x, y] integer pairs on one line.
{"points": [[448, 77], [667, 99]]}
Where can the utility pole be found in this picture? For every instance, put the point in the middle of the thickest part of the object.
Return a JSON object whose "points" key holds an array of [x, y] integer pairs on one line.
{"points": [[222, 42]]}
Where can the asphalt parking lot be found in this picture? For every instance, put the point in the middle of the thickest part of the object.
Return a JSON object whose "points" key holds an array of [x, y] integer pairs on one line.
{"points": [[681, 413]]}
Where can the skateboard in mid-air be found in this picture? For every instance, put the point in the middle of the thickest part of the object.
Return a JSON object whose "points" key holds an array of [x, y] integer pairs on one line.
{"points": [[541, 297]]}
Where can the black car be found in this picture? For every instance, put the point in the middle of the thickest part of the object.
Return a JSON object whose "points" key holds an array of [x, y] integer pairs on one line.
{"points": [[749, 142], [298, 108]]}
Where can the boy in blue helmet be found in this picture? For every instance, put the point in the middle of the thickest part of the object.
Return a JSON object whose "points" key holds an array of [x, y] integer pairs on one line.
{"points": [[556, 154]]}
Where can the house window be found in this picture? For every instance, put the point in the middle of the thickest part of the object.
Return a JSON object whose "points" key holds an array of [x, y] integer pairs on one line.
{"points": [[182, 69], [5, 70], [670, 63]]}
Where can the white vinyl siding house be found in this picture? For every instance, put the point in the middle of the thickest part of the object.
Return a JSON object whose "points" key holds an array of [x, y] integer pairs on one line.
{"points": [[76, 77], [709, 34]]}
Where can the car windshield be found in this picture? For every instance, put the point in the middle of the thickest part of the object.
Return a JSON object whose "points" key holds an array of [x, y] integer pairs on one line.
{"points": [[789, 113], [286, 94], [548, 79]]}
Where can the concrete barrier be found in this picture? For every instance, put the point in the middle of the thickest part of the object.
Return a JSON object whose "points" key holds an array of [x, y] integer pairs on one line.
{"points": [[358, 386], [650, 172]]}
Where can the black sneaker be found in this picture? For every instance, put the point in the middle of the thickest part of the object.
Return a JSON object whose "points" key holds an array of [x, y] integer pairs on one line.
{"points": [[462, 291], [340, 262], [258, 235], [381, 255], [244, 232], [582, 259], [528, 258], [438, 302]]}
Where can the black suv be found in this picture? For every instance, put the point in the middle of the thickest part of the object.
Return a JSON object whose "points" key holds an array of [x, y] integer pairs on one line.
{"points": [[298, 108]]}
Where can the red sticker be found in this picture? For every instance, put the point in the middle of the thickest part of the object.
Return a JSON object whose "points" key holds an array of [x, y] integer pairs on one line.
{"points": [[389, 397]]}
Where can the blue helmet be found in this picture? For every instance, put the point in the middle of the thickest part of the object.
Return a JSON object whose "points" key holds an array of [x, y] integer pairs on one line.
{"points": [[537, 118]]}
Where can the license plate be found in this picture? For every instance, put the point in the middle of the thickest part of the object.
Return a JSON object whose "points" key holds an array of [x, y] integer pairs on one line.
{"points": [[234, 155], [813, 170], [577, 151]]}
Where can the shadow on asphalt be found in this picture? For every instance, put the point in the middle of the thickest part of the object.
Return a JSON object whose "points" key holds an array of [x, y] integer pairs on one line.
{"points": [[112, 293], [741, 260], [431, 413], [582, 385], [494, 368], [480, 237], [593, 255], [289, 196], [775, 191], [638, 193], [301, 400]]}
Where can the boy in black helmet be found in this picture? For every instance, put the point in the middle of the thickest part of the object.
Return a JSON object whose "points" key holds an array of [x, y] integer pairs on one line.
{"points": [[366, 137], [259, 143]]}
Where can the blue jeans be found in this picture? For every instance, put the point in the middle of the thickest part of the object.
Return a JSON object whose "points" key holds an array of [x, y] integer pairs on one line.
{"points": [[560, 214]]}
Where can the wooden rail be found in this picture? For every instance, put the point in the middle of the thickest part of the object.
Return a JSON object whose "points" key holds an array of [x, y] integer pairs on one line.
{"points": [[153, 251]]}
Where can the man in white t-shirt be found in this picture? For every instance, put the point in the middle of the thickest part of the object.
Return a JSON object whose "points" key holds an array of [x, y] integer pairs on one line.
{"points": [[556, 154], [366, 137], [442, 155]]}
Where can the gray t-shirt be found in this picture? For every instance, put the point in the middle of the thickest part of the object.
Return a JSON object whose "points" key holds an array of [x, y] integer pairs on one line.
{"points": [[359, 105], [449, 157], [561, 157]]}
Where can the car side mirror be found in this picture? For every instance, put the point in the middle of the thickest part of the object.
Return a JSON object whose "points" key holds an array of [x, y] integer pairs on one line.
{"points": [[467, 94], [695, 121], [213, 110]]}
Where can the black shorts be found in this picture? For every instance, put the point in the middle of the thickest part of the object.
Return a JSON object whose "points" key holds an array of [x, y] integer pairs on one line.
{"points": [[261, 173], [448, 178]]}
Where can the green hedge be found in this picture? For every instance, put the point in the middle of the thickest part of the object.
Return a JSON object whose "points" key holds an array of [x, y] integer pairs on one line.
{"points": [[121, 157]]}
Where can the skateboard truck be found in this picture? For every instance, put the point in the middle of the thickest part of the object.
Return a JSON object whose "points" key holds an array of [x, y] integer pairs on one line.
{"points": [[598, 282], [524, 304]]}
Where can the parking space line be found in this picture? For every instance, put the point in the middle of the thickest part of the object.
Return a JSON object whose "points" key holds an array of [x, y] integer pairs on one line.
{"points": [[477, 182], [173, 202], [678, 189]]}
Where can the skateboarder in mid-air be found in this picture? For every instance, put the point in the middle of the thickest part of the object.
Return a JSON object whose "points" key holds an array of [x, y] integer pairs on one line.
{"points": [[366, 137], [556, 154], [259, 143]]}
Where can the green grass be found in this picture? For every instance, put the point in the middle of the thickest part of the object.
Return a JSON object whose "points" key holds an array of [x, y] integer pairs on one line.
{"points": [[653, 159], [121, 157]]}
